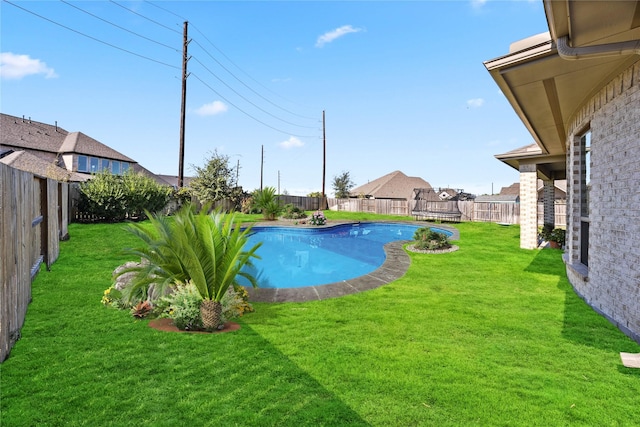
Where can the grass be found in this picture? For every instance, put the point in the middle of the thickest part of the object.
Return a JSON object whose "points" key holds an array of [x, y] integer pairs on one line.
{"points": [[488, 335]]}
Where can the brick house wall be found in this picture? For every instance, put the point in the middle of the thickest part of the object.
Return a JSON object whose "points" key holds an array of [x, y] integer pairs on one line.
{"points": [[611, 282]]}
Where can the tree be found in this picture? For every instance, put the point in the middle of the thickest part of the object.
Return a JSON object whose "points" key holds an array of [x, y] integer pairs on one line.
{"points": [[215, 181], [342, 185], [207, 250]]}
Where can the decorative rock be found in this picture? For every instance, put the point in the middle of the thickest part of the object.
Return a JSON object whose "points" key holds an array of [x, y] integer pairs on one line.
{"points": [[121, 281]]}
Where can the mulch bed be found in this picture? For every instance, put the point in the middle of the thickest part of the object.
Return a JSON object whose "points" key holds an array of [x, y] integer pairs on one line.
{"points": [[166, 325]]}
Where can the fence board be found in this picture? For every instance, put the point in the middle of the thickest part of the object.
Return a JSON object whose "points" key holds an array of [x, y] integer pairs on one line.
{"points": [[507, 213], [30, 230]]}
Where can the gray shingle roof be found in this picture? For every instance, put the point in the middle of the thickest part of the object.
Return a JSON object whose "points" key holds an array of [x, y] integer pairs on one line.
{"points": [[25, 134], [395, 185], [28, 162]]}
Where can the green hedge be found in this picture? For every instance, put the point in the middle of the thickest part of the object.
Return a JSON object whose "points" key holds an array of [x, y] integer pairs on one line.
{"points": [[111, 197]]}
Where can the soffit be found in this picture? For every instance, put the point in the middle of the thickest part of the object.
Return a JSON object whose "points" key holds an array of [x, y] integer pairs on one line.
{"points": [[593, 22], [545, 90]]}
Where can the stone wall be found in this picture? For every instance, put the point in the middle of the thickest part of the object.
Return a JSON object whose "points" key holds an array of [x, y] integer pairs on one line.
{"points": [[611, 282]]}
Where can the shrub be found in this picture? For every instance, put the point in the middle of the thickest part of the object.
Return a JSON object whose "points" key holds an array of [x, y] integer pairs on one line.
{"points": [[183, 306], [103, 196], [427, 239], [292, 212], [116, 197], [235, 303], [318, 218]]}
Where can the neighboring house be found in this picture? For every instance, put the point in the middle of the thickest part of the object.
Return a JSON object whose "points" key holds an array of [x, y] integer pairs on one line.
{"points": [[560, 190], [28, 162], [394, 186], [44, 149], [577, 91]]}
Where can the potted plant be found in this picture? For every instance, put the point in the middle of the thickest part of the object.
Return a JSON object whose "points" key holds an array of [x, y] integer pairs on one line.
{"points": [[557, 238]]}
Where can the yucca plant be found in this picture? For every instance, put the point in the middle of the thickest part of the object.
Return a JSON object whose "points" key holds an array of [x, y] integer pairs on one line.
{"points": [[206, 249]]}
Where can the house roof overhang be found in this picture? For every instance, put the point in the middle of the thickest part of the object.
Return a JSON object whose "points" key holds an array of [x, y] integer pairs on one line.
{"points": [[545, 89]]}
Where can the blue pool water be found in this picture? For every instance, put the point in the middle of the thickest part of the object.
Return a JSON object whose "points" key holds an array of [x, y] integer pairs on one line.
{"points": [[296, 257]]}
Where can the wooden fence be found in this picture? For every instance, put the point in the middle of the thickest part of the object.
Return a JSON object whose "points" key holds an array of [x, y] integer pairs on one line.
{"points": [[505, 213], [33, 219], [378, 206]]}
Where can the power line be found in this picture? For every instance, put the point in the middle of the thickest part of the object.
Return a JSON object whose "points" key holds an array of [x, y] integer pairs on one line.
{"points": [[244, 112], [169, 65], [91, 37], [118, 26], [235, 65], [144, 17], [166, 10], [250, 102], [248, 87]]}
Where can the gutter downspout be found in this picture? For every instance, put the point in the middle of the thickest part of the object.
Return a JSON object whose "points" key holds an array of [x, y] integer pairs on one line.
{"points": [[612, 49]]}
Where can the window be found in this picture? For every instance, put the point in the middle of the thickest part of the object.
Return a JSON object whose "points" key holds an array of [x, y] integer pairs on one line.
{"points": [[124, 167], [82, 164], [94, 164], [585, 188], [115, 167], [104, 164]]}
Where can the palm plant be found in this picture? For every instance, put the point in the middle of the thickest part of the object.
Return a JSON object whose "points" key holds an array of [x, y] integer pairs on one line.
{"points": [[267, 201], [205, 249]]}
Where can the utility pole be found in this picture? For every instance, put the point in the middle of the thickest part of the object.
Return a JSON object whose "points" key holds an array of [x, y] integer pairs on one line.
{"points": [[185, 74], [238, 173], [278, 182], [324, 154], [261, 166]]}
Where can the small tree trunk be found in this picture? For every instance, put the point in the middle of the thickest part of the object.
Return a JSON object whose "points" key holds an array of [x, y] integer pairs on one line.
{"points": [[211, 313]]}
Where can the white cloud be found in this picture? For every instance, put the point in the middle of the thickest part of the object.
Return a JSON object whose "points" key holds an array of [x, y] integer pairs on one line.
{"points": [[478, 3], [475, 103], [330, 36], [211, 109], [13, 66], [292, 142]]}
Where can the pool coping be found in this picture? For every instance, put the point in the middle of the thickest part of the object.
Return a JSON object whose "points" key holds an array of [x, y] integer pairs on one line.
{"points": [[396, 264]]}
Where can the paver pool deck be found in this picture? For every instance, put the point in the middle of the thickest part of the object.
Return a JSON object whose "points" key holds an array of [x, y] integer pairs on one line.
{"points": [[396, 264]]}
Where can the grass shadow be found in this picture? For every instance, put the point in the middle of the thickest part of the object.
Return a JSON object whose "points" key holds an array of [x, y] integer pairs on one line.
{"points": [[581, 323]]}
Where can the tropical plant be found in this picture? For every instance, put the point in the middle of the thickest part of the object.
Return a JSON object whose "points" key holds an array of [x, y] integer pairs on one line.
{"points": [[342, 185], [428, 239], [206, 249], [141, 309], [267, 201]]}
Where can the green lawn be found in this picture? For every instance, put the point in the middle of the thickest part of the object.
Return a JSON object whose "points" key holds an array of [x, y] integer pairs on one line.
{"points": [[488, 335]]}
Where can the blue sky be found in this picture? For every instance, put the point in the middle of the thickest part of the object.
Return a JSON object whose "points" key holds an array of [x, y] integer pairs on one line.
{"points": [[403, 84]]}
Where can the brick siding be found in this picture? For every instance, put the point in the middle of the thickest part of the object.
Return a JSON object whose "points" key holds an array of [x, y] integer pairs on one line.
{"points": [[611, 283]]}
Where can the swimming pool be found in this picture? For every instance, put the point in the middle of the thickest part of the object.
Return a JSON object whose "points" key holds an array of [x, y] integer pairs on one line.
{"points": [[297, 257]]}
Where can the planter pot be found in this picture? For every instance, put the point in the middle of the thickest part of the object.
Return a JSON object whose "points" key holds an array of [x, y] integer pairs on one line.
{"points": [[553, 244]]}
